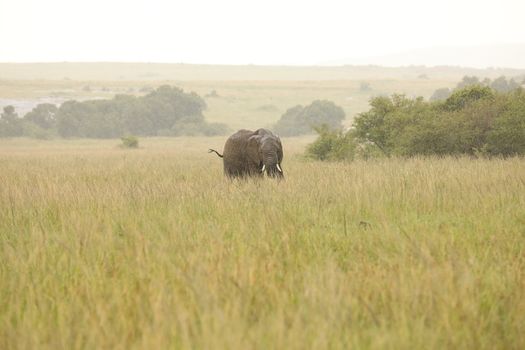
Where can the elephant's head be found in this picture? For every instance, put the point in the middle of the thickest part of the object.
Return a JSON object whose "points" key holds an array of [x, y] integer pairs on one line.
{"points": [[266, 149]]}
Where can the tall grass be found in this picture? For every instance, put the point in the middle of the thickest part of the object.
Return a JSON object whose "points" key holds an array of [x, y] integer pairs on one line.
{"points": [[106, 248]]}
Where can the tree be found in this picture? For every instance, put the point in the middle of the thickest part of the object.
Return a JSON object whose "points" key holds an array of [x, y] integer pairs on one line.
{"points": [[165, 111], [507, 136], [501, 84], [513, 85], [301, 120], [332, 145], [10, 124], [290, 124], [462, 97], [486, 82], [440, 94], [377, 125], [43, 115], [9, 114], [468, 81]]}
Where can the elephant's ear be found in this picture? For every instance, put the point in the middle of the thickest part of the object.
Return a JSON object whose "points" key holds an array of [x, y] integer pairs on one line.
{"points": [[252, 148]]}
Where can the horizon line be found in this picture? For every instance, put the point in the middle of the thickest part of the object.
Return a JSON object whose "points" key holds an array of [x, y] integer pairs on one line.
{"points": [[268, 65]]}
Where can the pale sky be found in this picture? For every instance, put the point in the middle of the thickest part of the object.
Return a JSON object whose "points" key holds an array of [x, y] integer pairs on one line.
{"points": [[247, 32]]}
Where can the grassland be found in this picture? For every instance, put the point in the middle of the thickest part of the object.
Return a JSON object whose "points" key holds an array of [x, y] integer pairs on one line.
{"points": [[102, 247]]}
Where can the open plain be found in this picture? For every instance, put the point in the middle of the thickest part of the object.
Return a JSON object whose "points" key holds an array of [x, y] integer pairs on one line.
{"points": [[103, 247]]}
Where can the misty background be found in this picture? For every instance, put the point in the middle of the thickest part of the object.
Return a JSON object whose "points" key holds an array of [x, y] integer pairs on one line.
{"points": [[467, 33]]}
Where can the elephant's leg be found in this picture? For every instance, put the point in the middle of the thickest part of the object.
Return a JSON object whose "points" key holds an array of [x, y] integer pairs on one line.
{"points": [[234, 170], [254, 168], [231, 172]]}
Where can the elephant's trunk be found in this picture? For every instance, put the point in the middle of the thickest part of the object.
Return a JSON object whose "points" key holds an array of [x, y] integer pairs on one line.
{"points": [[272, 167]]}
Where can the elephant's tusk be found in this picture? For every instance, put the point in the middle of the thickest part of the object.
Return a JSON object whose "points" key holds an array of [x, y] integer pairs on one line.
{"points": [[279, 168], [264, 167]]}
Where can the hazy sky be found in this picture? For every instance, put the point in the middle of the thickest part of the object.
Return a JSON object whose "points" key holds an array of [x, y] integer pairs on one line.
{"points": [[243, 31]]}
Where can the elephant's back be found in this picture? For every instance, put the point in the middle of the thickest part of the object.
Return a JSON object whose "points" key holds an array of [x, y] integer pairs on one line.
{"points": [[236, 144], [234, 152]]}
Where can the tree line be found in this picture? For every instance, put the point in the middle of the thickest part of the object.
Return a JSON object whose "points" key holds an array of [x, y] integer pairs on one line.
{"points": [[474, 120], [501, 84], [166, 111]]}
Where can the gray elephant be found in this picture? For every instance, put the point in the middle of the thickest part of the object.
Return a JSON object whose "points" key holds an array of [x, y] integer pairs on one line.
{"points": [[252, 153]]}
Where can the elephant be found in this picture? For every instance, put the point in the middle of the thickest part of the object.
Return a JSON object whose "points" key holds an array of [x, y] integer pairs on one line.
{"points": [[252, 153]]}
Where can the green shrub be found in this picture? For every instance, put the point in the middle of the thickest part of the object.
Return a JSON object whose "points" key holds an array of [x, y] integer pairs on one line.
{"points": [[475, 121], [129, 141], [507, 135], [332, 145], [461, 98], [336, 145]]}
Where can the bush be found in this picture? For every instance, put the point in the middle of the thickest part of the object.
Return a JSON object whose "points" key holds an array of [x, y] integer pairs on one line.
{"points": [[384, 124], [301, 120], [473, 121], [129, 141], [461, 98], [336, 145], [507, 135], [331, 145]]}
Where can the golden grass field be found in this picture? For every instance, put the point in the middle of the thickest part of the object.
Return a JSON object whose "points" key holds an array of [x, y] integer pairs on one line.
{"points": [[107, 248]]}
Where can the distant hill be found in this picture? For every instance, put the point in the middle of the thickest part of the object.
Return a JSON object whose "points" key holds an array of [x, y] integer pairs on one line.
{"points": [[190, 72], [481, 56]]}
